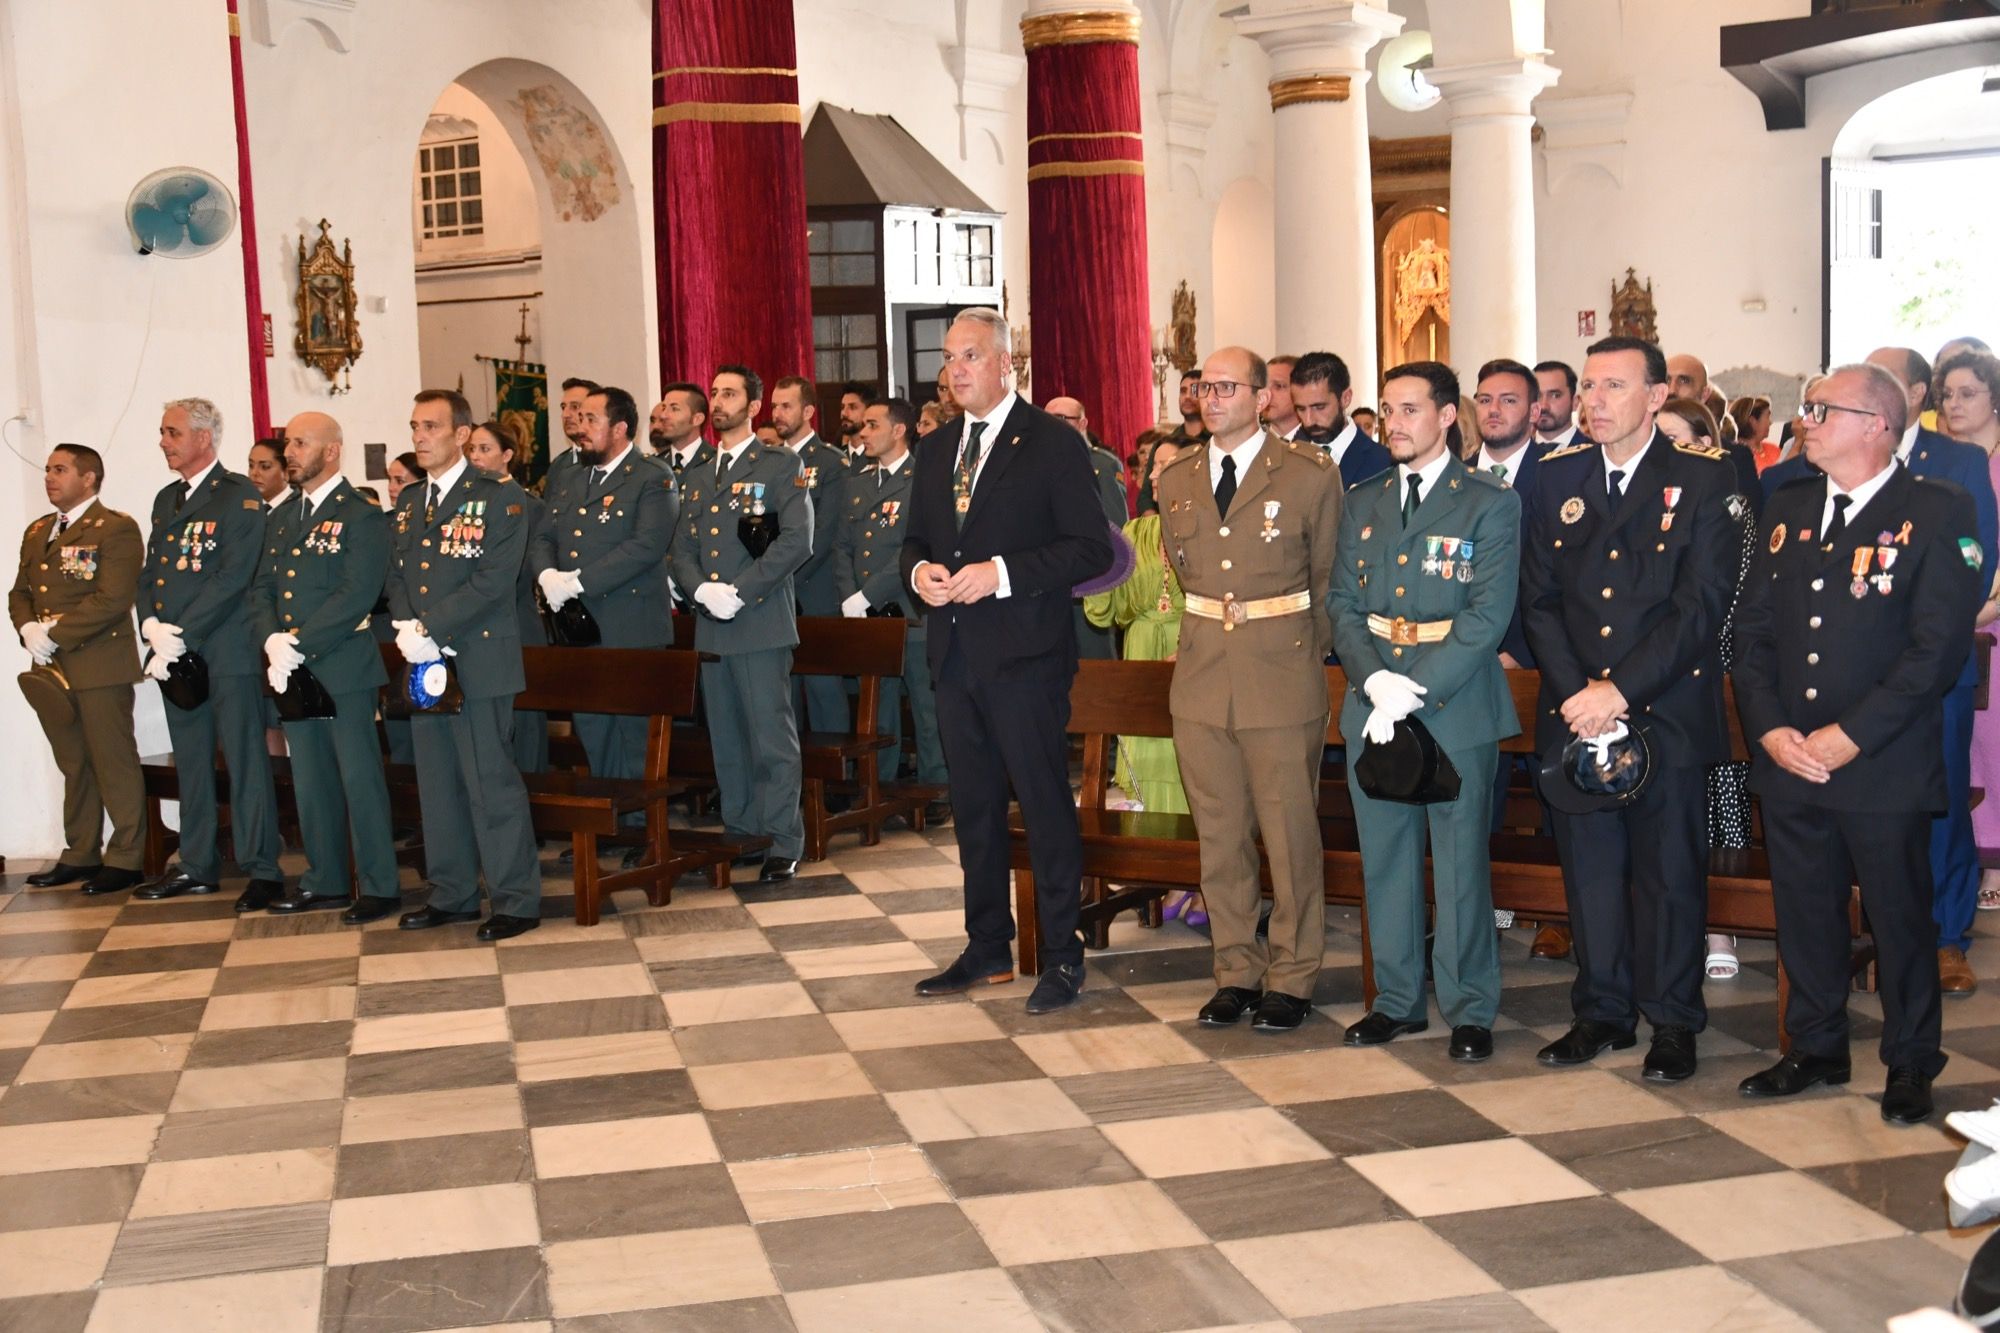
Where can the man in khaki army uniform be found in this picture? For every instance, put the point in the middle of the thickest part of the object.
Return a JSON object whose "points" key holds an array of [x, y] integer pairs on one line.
{"points": [[72, 606], [1251, 523]]}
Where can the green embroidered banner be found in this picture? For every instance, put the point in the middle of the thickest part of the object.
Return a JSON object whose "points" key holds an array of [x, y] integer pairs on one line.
{"points": [[521, 402]]}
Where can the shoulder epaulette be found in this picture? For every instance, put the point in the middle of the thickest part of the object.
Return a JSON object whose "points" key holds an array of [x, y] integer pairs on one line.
{"points": [[1573, 447], [1187, 452], [1714, 453], [1318, 455], [1491, 481]]}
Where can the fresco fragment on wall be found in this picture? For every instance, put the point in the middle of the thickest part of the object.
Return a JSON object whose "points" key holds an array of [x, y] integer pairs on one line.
{"points": [[574, 157]]}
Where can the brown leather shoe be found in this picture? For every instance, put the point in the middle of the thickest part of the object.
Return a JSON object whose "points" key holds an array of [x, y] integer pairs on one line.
{"points": [[1551, 942], [1955, 974]]}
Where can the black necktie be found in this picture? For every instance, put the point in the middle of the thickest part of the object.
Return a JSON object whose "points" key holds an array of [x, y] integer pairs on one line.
{"points": [[62, 523], [430, 503], [1839, 524], [1412, 497], [1225, 490], [675, 461], [1617, 480], [180, 495]]}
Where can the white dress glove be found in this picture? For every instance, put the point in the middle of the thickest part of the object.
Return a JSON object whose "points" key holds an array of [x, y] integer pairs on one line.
{"points": [[1602, 744], [720, 599], [1395, 695], [279, 676], [156, 667], [35, 638], [1380, 728], [165, 639], [857, 605], [416, 646], [282, 650], [559, 586]]}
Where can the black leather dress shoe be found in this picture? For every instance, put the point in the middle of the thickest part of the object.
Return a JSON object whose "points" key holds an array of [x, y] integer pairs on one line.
{"points": [[1279, 1012], [1229, 1004], [310, 902], [1671, 1056], [112, 879], [1583, 1042], [174, 885], [262, 893], [1906, 1098], [937, 813], [62, 872], [1794, 1074], [426, 917], [500, 927], [369, 908], [1376, 1029], [776, 869], [1471, 1043], [1058, 988], [963, 975]]}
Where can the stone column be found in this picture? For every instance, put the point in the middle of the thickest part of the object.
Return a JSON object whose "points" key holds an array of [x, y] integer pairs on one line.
{"points": [[1492, 203], [1324, 194]]}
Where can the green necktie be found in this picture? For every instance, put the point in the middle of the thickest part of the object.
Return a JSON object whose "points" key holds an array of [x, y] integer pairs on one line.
{"points": [[1412, 498]]}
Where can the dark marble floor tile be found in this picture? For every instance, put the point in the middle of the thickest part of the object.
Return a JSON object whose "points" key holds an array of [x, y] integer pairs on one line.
{"points": [[40, 1200], [42, 943], [199, 907], [1149, 967], [949, 1065], [581, 953], [1017, 1163], [383, 1073], [498, 1157], [87, 1098], [1100, 1006], [242, 1240], [246, 1129], [1857, 1286], [60, 899], [750, 969], [1909, 1191], [1243, 1042], [40, 996], [1544, 1006], [437, 1291], [1149, 1292], [756, 1314], [298, 975], [256, 1046], [793, 1129], [834, 934], [110, 1021], [11, 1062], [1142, 1094], [881, 990], [1653, 1152], [428, 997], [810, 1252], [1981, 1044], [1573, 1240], [263, 926], [894, 854], [899, 902], [1513, 1052], [693, 921], [587, 1018], [1713, 1088], [66, 1312], [1496, 1312], [627, 1203], [167, 958], [757, 1039], [575, 1101], [791, 890], [437, 940], [1350, 1126], [1278, 1200]]}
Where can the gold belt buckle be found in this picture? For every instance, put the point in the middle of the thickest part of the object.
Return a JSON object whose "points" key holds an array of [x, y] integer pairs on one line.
{"points": [[1402, 631], [1233, 612]]}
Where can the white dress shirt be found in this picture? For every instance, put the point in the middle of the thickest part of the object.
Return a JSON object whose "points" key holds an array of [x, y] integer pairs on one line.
{"points": [[731, 454], [1245, 454], [1909, 443], [1510, 466], [1861, 494], [317, 495], [194, 482], [1428, 475], [1564, 436], [445, 480], [987, 439], [1627, 470]]}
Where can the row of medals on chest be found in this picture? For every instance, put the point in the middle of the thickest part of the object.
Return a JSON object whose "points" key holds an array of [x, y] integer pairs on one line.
{"points": [[1880, 556]]}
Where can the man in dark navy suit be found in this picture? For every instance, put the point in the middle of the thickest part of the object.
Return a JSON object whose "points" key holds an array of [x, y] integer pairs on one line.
{"points": [[1954, 856], [1004, 522], [1555, 405], [1322, 391]]}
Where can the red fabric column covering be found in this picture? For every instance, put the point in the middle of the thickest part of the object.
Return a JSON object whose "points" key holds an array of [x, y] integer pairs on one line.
{"points": [[729, 205], [246, 222], [1092, 333]]}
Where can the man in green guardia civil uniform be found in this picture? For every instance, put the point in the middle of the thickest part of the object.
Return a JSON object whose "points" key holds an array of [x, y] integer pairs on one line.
{"points": [[326, 556], [1424, 583]]}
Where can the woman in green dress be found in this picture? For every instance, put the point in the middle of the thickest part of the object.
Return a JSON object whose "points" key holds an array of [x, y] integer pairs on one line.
{"points": [[1148, 608]]}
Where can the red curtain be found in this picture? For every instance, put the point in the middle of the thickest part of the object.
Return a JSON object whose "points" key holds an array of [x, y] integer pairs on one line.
{"points": [[246, 221], [1092, 332], [729, 197]]}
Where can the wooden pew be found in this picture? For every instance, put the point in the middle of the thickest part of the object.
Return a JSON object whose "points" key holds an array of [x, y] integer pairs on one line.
{"points": [[867, 648]]}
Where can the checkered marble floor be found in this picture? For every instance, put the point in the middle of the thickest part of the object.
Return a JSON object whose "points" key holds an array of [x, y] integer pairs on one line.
{"points": [[733, 1114]]}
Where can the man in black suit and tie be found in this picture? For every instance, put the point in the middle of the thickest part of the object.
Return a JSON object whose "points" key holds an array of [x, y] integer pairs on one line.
{"points": [[1004, 522], [1854, 624], [1322, 391]]}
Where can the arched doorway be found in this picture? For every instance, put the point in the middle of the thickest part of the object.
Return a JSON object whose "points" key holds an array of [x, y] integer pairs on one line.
{"points": [[525, 224]]}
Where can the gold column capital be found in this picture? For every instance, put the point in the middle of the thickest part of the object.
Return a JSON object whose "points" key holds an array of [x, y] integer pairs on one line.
{"points": [[1079, 27], [1309, 88]]}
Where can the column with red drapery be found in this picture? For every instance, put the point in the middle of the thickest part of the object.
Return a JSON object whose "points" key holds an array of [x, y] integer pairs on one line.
{"points": [[729, 204], [246, 220], [1092, 330]]}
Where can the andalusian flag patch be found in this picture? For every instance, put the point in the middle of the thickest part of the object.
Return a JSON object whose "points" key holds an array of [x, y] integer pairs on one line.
{"points": [[1969, 548]]}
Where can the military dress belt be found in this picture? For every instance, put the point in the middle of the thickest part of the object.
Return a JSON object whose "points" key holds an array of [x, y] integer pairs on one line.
{"points": [[1233, 613], [1403, 632]]}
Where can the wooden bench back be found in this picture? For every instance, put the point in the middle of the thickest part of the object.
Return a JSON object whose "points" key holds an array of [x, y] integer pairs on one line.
{"points": [[835, 645], [630, 682]]}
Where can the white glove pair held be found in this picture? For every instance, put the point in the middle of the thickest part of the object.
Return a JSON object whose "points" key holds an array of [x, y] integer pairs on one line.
{"points": [[416, 646], [720, 599], [36, 639], [1395, 697], [559, 586], [165, 640], [855, 606], [282, 653]]}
